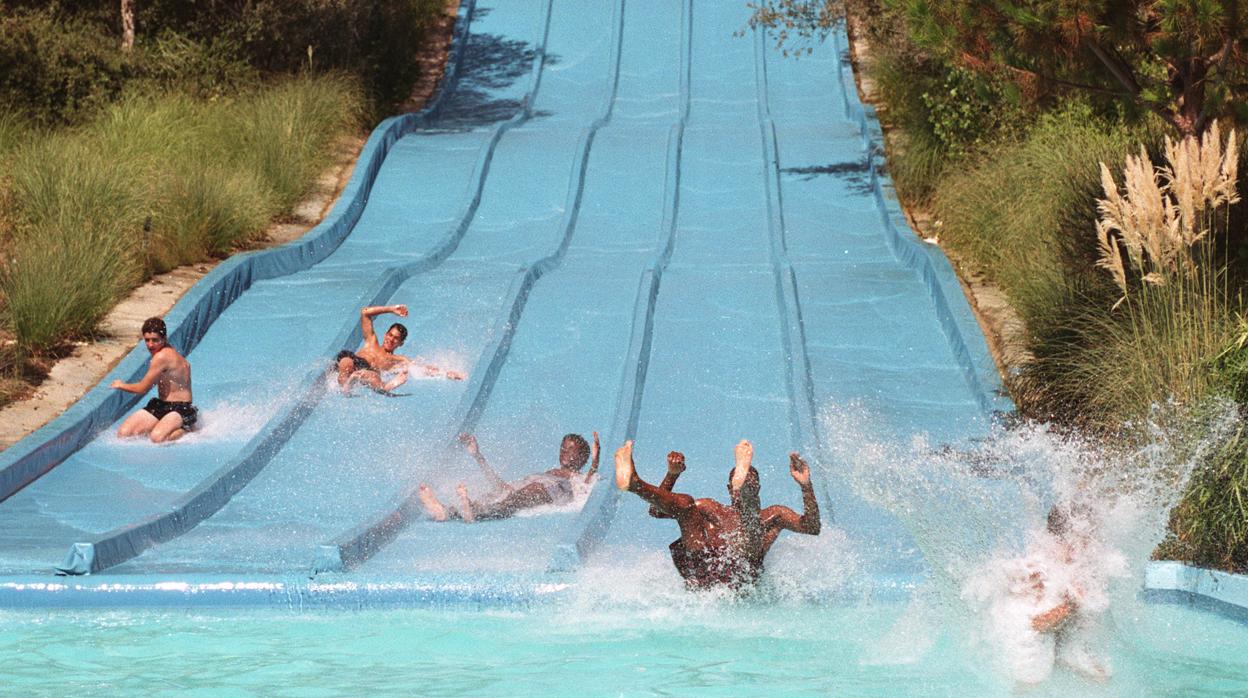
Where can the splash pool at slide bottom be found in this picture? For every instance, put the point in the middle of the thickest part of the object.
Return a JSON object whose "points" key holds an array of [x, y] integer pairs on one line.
{"points": [[600, 640]]}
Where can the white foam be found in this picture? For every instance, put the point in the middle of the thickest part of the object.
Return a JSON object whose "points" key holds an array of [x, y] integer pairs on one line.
{"points": [[977, 511]]}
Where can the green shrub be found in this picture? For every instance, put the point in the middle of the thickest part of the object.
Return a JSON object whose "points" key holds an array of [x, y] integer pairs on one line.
{"points": [[372, 39], [57, 67], [1209, 527]]}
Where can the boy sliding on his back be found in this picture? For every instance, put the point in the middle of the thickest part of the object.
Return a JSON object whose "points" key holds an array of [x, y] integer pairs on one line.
{"points": [[366, 364], [554, 486]]}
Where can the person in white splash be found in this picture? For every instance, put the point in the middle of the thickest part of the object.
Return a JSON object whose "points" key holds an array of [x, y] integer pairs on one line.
{"points": [[1039, 608]]}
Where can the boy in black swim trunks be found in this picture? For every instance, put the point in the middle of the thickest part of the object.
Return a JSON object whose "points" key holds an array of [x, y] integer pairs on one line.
{"points": [[554, 486], [169, 415], [366, 364]]}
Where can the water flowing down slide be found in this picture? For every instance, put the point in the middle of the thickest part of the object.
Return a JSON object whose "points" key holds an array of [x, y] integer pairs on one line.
{"points": [[616, 216]]}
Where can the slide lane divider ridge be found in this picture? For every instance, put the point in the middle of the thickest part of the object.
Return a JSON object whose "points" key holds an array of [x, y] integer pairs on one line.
{"points": [[191, 317], [214, 492], [954, 313], [595, 518], [799, 380], [357, 545]]}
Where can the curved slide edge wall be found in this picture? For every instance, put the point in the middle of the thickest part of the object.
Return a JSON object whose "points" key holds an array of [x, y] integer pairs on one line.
{"points": [[28, 459], [1208, 590], [952, 308]]}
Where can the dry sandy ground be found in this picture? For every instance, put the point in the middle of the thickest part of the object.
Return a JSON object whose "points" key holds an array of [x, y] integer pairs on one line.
{"points": [[71, 377]]}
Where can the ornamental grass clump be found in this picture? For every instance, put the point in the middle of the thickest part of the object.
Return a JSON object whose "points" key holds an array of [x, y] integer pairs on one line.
{"points": [[1158, 236], [1164, 215]]}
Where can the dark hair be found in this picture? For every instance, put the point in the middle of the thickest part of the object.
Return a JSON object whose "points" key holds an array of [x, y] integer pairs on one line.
{"points": [[581, 445], [155, 325], [402, 331]]}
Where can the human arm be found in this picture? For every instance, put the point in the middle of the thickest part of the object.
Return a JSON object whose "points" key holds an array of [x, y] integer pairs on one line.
{"points": [[784, 517], [157, 366], [594, 452], [367, 314], [675, 466], [626, 478], [1051, 619], [470, 444], [395, 382]]}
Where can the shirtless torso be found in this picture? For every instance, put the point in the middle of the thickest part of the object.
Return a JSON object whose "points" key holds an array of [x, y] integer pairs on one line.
{"points": [[720, 544], [171, 414], [375, 357]]}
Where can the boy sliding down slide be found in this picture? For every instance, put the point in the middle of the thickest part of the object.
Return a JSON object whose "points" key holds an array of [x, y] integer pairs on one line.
{"points": [[366, 364], [555, 486], [721, 545]]}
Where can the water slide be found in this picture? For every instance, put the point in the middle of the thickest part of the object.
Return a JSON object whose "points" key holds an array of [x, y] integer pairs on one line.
{"points": [[616, 215]]}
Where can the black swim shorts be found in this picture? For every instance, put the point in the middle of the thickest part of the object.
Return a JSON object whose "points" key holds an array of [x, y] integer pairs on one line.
{"points": [[360, 364], [159, 408]]}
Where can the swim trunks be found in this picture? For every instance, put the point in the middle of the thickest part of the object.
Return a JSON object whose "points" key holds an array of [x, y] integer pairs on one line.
{"points": [[559, 488], [159, 408], [359, 363]]}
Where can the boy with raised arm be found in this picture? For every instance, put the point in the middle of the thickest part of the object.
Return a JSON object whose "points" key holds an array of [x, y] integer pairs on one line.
{"points": [[721, 545], [554, 486], [366, 364]]}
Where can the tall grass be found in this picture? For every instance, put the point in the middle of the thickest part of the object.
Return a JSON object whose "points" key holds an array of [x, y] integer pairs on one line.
{"points": [[154, 182], [1020, 212]]}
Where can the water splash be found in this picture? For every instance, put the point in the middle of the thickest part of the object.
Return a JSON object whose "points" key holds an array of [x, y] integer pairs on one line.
{"points": [[977, 510]]}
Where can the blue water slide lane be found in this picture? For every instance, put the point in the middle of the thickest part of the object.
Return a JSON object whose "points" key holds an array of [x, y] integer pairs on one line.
{"points": [[720, 186], [952, 309], [599, 510], [127, 541], [193, 315], [358, 544]]}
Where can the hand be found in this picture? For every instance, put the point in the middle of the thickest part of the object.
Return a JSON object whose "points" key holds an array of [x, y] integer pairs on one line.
{"points": [[624, 469], [594, 449], [431, 370], [116, 385], [400, 310], [470, 443], [799, 470], [456, 375], [675, 463]]}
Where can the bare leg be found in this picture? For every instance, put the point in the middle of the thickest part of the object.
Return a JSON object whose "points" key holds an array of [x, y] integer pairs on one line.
{"points": [[626, 478], [433, 507], [169, 428], [745, 457], [465, 504], [369, 378], [137, 424]]}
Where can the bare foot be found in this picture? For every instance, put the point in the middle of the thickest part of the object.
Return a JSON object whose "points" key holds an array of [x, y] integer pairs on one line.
{"points": [[624, 470], [465, 504], [745, 457], [433, 507]]}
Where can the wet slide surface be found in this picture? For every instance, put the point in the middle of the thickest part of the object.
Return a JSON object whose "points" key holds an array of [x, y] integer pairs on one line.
{"points": [[621, 218]]}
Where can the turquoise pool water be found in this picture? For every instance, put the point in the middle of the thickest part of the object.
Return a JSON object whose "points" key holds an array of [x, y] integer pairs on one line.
{"points": [[679, 646]]}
